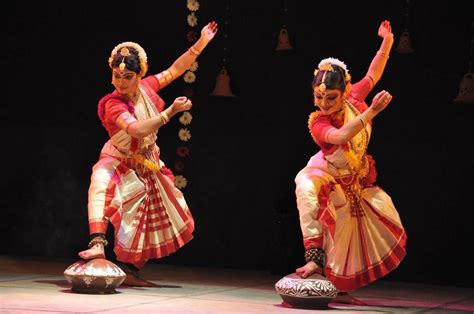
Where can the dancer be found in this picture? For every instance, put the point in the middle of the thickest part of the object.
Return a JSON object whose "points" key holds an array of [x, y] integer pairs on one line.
{"points": [[351, 230], [130, 186]]}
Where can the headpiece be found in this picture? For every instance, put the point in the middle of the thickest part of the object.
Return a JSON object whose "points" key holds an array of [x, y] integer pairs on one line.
{"points": [[327, 66], [124, 52]]}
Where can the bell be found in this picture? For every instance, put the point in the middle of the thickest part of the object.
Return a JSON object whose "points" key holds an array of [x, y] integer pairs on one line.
{"points": [[222, 87], [283, 40], [466, 89], [404, 44]]}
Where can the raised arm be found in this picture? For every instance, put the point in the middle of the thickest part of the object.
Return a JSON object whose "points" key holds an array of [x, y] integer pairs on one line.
{"points": [[185, 61], [377, 66]]}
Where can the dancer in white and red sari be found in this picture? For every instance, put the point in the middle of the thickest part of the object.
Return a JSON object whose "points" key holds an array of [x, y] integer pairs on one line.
{"points": [[130, 186], [352, 232]]}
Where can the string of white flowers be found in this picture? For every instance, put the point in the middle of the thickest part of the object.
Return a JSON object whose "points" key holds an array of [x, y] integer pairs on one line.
{"points": [[189, 77]]}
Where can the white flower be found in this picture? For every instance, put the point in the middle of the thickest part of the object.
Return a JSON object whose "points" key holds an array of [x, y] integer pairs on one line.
{"points": [[192, 19], [180, 181], [184, 134], [329, 61], [186, 118], [189, 77], [193, 5], [193, 66]]}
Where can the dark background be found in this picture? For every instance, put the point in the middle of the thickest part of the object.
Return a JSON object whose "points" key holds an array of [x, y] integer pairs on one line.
{"points": [[245, 151]]}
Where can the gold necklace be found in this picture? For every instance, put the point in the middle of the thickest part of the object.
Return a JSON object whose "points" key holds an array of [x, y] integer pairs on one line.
{"points": [[361, 169]]}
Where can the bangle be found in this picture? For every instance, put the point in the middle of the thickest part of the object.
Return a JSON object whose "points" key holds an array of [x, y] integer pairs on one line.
{"points": [[383, 54], [165, 77], [194, 51], [327, 134], [315, 255], [362, 120], [163, 121], [165, 117]]}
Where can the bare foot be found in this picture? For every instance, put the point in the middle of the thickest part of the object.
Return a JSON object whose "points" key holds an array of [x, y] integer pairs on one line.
{"points": [[97, 251], [346, 298], [308, 269]]}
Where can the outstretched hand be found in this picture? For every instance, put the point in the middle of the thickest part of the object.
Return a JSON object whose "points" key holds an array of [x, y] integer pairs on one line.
{"points": [[209, 31], [381, 101], [385, 29]]}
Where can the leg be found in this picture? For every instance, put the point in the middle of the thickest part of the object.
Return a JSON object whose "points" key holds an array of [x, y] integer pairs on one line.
{"points": [[96, 247]]}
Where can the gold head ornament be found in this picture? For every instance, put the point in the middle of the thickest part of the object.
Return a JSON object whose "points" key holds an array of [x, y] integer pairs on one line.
{"points": [[125, 52], [123, 48], [327, 65], [322, 87], [122, 64]]}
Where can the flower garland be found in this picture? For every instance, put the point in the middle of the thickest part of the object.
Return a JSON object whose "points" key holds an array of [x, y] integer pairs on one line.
{"points": [[184, 133]]}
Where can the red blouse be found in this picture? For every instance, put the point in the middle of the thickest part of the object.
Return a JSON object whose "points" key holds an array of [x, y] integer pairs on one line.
{"points": [[113, 105], [323, 123]]}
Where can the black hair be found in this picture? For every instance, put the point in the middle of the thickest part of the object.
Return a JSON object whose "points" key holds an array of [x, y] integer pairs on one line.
{"points": [[332, 79], [132, 61]]}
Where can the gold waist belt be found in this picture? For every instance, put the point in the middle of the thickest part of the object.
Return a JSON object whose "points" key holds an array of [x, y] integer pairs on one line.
{"points": [[142, 160]]}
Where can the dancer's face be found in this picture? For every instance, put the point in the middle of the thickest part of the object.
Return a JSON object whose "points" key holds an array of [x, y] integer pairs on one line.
{"points": [[126, 81], [329, 101]]}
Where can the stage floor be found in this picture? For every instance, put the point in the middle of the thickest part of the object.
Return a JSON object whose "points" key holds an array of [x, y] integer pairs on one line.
{"points": [[38, 286]]}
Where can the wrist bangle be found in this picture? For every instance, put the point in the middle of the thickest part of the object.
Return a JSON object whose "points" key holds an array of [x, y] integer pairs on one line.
{"points": [[165, 117], [383, 54], [315, 255], [362, 120], [194, 51]]}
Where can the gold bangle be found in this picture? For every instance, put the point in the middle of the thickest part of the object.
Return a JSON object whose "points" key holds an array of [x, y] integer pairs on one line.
{"points": [[165, 117], [165, 77], [194, 51], [191, 52], [383, 54], [362, 121], [197, 50], [163, 121]]}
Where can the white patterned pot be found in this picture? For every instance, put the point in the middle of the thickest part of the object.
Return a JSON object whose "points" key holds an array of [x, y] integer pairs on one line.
{"points": [[313, 292], [97, 276]]}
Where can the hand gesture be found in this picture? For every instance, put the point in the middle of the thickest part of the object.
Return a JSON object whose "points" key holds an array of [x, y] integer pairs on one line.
{"points": [[385, 29], [209, 31], [182, 104], [308, 269], [380, 101]]}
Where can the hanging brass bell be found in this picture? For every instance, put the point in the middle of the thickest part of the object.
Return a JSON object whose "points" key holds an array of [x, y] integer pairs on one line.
{"points": [[466, 89], [283, 40], [222, 87], [404, 44]]}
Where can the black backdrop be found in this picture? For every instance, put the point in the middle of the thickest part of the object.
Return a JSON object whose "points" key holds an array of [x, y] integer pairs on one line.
{"points": [[245, 151]]}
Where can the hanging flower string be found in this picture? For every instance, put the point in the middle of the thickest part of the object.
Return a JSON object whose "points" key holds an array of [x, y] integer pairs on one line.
{"points": [[186, 118]]}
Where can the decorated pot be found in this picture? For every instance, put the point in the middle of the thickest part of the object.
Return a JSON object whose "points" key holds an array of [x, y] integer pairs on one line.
{"points": [[97, 276], [315, 291]]}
